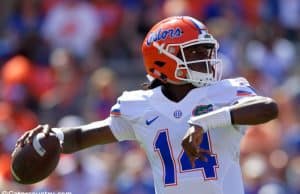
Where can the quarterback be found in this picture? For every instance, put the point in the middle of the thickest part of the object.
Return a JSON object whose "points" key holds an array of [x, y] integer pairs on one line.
{"points": [[188, 120]]}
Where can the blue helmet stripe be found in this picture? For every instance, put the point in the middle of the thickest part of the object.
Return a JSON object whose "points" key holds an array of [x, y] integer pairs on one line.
{"points": [[197, 24]]}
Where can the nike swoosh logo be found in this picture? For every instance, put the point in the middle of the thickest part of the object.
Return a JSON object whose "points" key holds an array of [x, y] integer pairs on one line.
{"points": [[148, 122]]}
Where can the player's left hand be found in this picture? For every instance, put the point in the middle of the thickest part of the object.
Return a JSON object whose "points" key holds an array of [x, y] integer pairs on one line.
{"points": [[28, 136], [191, 145]]}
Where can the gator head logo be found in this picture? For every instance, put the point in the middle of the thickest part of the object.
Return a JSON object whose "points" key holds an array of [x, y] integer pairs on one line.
{"points": [[202, 109]]}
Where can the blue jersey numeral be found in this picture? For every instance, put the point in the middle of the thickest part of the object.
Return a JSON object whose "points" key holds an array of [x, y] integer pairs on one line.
{"points": [[208, 168], [163, 147]]}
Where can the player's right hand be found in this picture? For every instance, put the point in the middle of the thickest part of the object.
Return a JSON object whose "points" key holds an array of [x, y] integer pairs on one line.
{"points": [[191, 145], [28, 136]]}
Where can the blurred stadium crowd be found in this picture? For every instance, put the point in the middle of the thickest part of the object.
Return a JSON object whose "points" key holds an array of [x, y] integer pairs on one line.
{"points": [[64, 62]]}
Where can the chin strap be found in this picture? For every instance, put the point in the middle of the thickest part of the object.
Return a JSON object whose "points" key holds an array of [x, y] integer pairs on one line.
{"points": [[215, 119]]}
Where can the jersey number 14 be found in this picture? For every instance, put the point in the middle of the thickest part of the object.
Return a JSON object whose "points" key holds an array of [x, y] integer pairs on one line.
{"points": [[163, 147]]}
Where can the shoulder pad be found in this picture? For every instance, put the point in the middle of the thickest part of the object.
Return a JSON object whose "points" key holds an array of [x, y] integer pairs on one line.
{"points": [[229, 90], [135, 96], [131, 104], [238, 82]]}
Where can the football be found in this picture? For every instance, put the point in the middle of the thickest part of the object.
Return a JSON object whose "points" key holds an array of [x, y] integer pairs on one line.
{"points": [[34, 162]]}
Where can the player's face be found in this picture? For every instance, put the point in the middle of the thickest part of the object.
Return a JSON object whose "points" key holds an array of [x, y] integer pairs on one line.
{"points": [[199, 52]]}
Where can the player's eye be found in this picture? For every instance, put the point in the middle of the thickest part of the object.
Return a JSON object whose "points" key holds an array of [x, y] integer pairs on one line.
{"points": [[197, 53]]}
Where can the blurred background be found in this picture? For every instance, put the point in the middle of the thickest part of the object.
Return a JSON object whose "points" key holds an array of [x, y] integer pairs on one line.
{"points": [[64, 62]]}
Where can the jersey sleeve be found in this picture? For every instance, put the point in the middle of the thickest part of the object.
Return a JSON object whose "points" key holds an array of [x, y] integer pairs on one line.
{"points": [[242, 91], [120, 123], [127, 112]]}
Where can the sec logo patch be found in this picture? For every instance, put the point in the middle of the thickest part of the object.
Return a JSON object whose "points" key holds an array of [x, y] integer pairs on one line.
{"points": [[177, 114]]}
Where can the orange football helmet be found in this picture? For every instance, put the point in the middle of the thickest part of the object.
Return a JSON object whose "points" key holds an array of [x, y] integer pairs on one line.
{"points": [[169, 43]]}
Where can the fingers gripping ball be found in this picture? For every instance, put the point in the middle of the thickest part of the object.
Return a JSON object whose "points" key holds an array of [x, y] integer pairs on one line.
{"points": [[34, 162]]}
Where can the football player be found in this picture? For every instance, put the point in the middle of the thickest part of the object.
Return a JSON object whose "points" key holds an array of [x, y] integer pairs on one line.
{"points": [[188, 121]]}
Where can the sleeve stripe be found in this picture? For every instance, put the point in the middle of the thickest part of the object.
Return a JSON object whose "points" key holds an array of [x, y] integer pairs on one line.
{"points": [[115, 112], [244, 93]]}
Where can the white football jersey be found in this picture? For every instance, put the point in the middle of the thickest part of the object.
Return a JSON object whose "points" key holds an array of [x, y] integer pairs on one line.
{"points": [[159, 125]]}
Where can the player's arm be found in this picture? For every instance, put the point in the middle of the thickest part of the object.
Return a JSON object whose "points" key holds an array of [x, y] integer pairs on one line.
{"points": [[253, 110], [85, 136], [248, 111], [74, 138]]}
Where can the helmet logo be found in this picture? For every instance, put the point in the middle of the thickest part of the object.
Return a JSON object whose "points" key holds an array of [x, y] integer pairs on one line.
{"points": [[163, 34], [202, 109]]}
